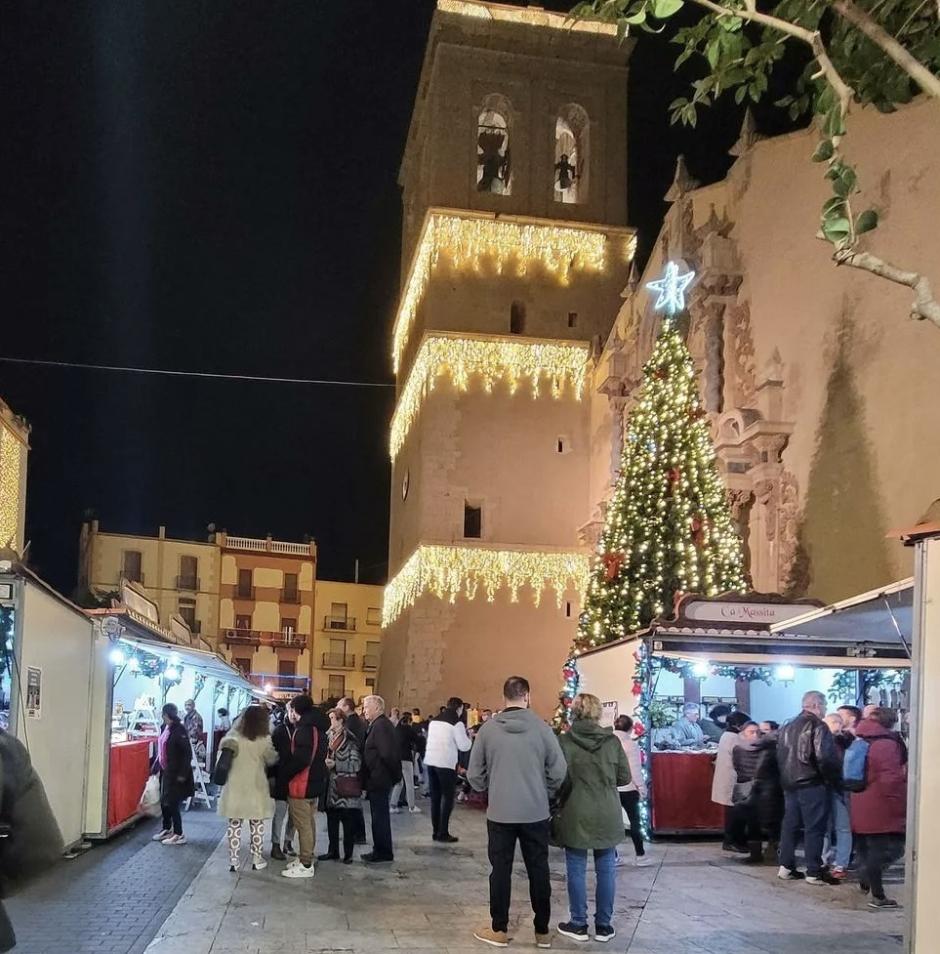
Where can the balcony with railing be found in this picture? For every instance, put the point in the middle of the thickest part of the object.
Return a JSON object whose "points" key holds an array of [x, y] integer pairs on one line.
{"points": [[254, 637], [275, 683], [370, 661], [188, 583], [331, 695], [290, 596], [267, 545], [131, 576], [244, 592], [338, 661], [345, 623]]}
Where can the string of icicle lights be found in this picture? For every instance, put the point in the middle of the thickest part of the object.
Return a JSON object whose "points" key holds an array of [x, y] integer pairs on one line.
{"points": [[559, 364], [451, 571], [504, 243]]}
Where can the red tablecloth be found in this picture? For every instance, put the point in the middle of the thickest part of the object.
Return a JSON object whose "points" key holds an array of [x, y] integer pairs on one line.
{"points": [[130, 766], [682, 789]]}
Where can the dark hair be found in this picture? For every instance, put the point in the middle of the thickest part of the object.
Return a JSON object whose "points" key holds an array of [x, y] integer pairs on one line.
{"points": [[718, 711], [773, 725], [254, 723], [515, 687], [416, 711], [749, 724], [454, 702], [347, 701], [884, 717], [623, 723], [854, 710], [170, 710], [223, 712], [336, 711], [301, 704], [736, 721], [405, 718]]}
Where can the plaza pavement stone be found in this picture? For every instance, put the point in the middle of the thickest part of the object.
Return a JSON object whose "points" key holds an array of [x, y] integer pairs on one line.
{"points": [[693, 899]]}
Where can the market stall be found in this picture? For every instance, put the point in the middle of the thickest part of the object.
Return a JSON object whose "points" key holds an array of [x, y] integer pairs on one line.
{"points": [[137, 670], [756, 653]]}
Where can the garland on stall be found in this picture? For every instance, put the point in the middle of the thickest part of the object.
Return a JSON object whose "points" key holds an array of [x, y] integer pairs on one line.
{"points": [[6, 639], [572, 678], [198, 684], [847, 686]]}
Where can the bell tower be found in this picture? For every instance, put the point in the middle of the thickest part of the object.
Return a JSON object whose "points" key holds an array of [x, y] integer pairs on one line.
{"points": [[515, 250]]}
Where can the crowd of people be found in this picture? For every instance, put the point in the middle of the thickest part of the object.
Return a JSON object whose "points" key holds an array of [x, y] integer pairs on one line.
{"points": [[777, 784], [838, 781]]}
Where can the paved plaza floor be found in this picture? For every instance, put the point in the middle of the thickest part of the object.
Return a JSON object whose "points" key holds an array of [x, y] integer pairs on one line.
{"points": [[693, 899]]}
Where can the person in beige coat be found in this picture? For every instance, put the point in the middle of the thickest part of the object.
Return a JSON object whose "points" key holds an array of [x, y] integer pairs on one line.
{"points": [[246, 793]]}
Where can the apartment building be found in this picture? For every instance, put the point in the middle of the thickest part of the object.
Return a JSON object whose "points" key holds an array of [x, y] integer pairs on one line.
{"points": [[181, 576], [347, 643]]}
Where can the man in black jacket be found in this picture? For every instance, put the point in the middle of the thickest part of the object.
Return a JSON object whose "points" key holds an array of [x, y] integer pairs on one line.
{"points": [[306, 776], [381, 770], [809, 765]]}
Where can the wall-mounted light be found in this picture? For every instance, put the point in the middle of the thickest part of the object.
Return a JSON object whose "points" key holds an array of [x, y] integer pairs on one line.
{"points": [[117, 657]]}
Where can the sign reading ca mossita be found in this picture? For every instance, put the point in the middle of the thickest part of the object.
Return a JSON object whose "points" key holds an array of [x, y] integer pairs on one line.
{"points": [[763, 614]]}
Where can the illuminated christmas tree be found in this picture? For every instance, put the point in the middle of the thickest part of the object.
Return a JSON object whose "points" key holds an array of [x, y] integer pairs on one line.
{"points": [[668, 529]]}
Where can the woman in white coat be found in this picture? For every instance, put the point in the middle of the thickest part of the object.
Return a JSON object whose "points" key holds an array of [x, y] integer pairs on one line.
{"points": [[724, 781], [246, 793], [447, 738]]}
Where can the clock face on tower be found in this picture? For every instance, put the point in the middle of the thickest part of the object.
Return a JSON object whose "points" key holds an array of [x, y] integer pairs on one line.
{"points": [[405, 484]]}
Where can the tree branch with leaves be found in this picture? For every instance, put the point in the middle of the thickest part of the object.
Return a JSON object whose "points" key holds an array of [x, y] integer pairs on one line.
{"points": [[871, 53]]}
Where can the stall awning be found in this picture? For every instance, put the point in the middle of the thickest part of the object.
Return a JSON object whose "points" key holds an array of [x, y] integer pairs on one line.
{"points": [[880, 617], [212, 665]]}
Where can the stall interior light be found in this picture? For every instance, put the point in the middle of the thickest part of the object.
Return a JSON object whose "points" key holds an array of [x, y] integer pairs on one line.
{"points": [[117, 657], [701, 669], [171, 673], [785, 673], [268, 688], [133, 664]]}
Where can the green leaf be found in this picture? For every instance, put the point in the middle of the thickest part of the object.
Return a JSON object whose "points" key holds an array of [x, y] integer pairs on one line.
{"points": [[713, 52], [833, 207], [824, 151], [739, 94], [866, 221], [836, 229], [636, 18], [834, 126], [663, 9]]}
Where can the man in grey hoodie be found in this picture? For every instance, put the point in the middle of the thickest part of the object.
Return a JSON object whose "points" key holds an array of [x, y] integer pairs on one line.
{"points": [[518, 761]]}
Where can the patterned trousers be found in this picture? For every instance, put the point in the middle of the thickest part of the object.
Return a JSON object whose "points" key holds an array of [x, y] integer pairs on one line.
{"points": [[256, 838]]}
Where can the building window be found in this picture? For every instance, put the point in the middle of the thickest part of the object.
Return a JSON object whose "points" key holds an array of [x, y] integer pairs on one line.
{"points": [[494, 169], [571, 148], [286, 667], [517, 318], [339, 614], [243, 622], [562, 444], [370, 683], [337, 687], [131, 566], [245, 589], [405, 484], [472, 520], [567, 609], [374, 616], [189, 573], [572, 319], [242, 663], [291, 594], [188, 614], [288, 625]]}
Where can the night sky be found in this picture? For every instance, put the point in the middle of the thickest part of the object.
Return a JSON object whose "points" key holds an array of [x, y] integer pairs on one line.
{"points": [[212, 187]]}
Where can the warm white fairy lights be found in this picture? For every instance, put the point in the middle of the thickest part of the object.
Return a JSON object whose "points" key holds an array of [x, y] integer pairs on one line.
{"points": [[11, 469], [467, 241], [562, 365], [451, 571], [531, 16]]}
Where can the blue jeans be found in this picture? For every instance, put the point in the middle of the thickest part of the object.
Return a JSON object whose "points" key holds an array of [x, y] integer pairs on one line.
{"points": [[839, 825], [807, 810], [576, 863]]}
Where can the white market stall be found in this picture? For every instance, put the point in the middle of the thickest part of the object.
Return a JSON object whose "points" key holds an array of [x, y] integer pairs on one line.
{"points": [[756, 653], [136, 670]]}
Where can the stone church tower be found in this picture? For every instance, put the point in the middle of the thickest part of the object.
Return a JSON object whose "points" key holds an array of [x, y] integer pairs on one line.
{"points": [[514, 256]]}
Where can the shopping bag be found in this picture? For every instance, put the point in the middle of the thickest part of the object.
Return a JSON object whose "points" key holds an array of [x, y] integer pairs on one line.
{"points": [[150, 799]]}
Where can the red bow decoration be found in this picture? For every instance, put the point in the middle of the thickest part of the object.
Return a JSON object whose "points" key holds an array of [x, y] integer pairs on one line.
{"points": [[698, 530], [639, 730], [612, 564], [638, 689]]}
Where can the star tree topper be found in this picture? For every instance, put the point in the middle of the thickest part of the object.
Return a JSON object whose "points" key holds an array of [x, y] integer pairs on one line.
{"points": [[671, 288]]}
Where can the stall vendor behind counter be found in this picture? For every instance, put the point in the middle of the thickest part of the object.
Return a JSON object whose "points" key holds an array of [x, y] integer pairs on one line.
{"points": [[686, 732]]}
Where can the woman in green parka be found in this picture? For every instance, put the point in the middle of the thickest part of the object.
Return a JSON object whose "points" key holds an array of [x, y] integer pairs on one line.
{"points": [[590, 816]]}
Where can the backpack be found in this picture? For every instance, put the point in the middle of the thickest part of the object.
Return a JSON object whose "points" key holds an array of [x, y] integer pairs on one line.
{"points": [[855, 766], [297, 787]]}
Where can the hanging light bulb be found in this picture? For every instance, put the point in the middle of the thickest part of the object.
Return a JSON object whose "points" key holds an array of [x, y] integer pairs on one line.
{"points": [[171, 673], [701, 669], [133, 664], [785, 673], [117, 657]]}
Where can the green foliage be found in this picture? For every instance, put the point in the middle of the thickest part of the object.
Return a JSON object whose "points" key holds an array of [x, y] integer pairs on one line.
{"points": [[737, 56]]}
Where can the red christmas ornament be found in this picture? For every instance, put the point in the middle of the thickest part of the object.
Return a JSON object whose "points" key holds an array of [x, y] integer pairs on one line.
{"points": [[662, 373], [639, 730], [637, 688], [698, 530], [673, 475], [612, 564]]}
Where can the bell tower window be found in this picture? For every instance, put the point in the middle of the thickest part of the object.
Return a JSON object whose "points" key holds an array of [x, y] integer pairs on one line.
{"points": [[494, 170], [571, 153], [517, 318]]}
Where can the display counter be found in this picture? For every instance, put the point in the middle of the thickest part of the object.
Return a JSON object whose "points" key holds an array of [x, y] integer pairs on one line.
{"points": [[127, 775], [681, 788]]}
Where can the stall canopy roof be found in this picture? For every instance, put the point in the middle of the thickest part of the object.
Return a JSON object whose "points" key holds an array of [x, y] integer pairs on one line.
{"points": [[209, 663], [883, 615]]}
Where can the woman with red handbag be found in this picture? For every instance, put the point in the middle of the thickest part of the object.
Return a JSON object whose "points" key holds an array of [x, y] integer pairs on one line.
{"points": [[344, 760]]}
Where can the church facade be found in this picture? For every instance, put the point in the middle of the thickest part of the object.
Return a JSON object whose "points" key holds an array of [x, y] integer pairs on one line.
{"points": [[522, 328]]}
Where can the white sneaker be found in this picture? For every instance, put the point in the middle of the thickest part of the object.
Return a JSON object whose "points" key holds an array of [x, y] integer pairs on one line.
{"points": [[415, 810], [174, 840], [160, 835], [395, 811], [298, 871], [644, 861], [620, 861], [258, 864]]}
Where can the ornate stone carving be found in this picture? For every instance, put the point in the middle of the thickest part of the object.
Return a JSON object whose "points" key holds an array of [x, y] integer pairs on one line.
{"points": [[743, 370]]}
